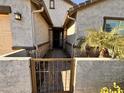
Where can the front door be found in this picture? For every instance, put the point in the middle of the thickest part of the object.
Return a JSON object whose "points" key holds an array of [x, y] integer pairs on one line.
{"points": [[57, 38]]}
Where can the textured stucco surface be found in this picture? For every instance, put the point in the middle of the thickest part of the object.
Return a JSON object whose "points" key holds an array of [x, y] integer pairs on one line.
{"points": [[41, 32], [71, 34], [17, 53], [58, 14], [71, 38], [69, 49], [41, 27], [44, 49], [92, 17], [94, 74], [15, 75], [21, 30]]}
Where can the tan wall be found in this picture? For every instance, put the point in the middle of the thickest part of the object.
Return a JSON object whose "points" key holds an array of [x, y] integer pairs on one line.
{"points": [[21, 30], [41, 29], [71, 34], [92, 17], [41, 33], [58, 14], [5, 34], [70, 39], [43, 50]]}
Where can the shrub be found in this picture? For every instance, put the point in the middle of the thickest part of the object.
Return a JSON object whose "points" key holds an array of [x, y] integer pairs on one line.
{"points": [[110, 40]]}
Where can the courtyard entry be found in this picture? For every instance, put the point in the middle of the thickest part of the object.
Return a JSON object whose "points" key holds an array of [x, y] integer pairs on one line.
{"points": [[5, 34], [52, 75], [57, 37]]}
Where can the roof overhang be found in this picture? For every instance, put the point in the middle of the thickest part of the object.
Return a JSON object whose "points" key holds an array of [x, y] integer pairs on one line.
{"points": [[73, 11], [69, 22], [84, 5], [40, 3]]}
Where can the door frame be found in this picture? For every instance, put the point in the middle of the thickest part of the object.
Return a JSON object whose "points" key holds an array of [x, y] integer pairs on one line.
{"points": [[60, 29]]}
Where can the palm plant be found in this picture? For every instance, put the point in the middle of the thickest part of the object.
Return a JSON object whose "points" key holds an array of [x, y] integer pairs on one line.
{"points": [[109, 40]]}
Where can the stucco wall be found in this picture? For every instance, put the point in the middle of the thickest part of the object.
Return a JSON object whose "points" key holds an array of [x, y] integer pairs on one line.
{"points": [[17, 53], [41, 33], [92, 17], [58, 14], [71, 34], [43, 50], [15, 76], [94, 74], [21, 30], [69, 49], [70, 39]]}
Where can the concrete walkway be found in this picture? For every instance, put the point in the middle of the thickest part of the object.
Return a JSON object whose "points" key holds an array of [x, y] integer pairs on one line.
{"points": [[56, 53], [57, 77]]}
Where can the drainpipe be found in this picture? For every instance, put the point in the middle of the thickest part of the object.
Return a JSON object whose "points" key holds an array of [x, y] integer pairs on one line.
{"points": [[38, 11], [73, 19], [33, 27]]}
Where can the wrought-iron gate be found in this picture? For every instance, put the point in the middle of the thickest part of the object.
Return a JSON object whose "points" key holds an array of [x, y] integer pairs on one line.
{"points": [[52, 75]]}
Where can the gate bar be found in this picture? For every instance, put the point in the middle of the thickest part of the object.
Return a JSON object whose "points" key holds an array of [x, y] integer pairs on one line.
{"points": [[51, 59]]}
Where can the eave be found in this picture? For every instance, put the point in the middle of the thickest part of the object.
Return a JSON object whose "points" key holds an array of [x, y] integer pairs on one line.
{"points": [[69, 22], [40, 3], [84, 5]]}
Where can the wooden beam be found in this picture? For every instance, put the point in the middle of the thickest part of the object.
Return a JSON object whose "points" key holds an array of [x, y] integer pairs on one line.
{"points": [[51, 59], [72, 76], [33, 77]]}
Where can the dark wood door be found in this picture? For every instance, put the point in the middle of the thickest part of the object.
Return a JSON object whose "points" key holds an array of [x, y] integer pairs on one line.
{"points": [[56, 39]]}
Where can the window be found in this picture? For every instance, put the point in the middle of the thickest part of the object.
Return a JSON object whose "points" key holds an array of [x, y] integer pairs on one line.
{"points": [[52, 4], [114, 24]]}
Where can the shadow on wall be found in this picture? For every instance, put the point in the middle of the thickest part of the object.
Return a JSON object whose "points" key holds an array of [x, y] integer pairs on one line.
{"points": [[18, 53]]}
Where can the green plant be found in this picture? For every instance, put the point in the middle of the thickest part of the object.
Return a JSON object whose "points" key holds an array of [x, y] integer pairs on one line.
{"points": [[109, 40]]}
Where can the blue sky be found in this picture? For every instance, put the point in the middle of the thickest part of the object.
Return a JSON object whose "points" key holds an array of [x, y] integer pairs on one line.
{"points": [[78, 1]]}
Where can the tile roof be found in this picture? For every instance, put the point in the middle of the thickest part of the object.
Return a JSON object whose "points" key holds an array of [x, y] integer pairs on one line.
{"points": [[83, 5], [73, 11], [45, 14]]}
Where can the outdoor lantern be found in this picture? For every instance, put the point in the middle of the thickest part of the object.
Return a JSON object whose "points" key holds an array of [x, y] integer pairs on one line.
{"points": [[52, 4], [18, 16]]}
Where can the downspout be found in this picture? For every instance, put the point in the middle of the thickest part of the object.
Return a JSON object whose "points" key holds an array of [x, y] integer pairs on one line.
{"points": [[33, 28], [71, 18], [73, 52]]}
